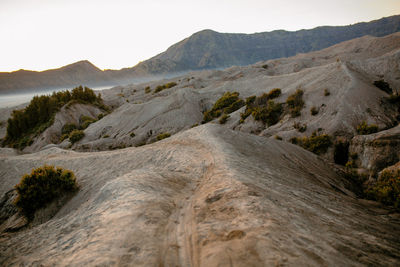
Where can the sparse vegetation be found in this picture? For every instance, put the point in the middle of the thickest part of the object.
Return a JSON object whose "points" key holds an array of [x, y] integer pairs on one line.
{"points": [[277, 137], [85, 121], [263, 108], [42, 186], [384, 86], [100, 116], [76, 135], [132, 134], [68, 127], [223, 119], [327, 92], [295, 103], [300, 127], [162, 136], [106, 136], [317, 144], [39, 114], [265, 66], [386, 189], [147, 90], [314, 111], [363, 128], [228, 103], [164, 86]]}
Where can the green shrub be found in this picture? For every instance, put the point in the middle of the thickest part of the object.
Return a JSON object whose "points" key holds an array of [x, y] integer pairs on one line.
{"points": [[269, 114], [300, 127], [147, 90], [40, 112], [100, 116], [228, 103], [63, 137], [277, 137], [68, 127], [76, 135], [384, 86], [314, 111], [164, 86], [42, 186], [265, 66], [326, 92], [263, 108], [223, 119], [386, 189], [363, 128], [295, 103], [317, 144], [132, 134], [274, 93], [106, 136], [162, 136]]}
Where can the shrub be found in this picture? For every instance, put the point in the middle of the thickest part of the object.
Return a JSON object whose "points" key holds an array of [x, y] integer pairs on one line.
{"points": [[363, 128], [100, 116], [265, 66], [106, 136], [269, 114], [42, 186], [164, 86], [76, 135], [227, 104], [68, 127], [314, 111], [295, 103], [386, 189], [384, 86], [132, 134], [274, 93], [326, 92], [85, 121], [162, 136], [147, 89], [223, 119], [40, 112], [317, 144], [300, 127], [263, 109], [277, 137]]}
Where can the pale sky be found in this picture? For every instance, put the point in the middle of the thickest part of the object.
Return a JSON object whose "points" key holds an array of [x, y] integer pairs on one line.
{"points": [[112, 34]]}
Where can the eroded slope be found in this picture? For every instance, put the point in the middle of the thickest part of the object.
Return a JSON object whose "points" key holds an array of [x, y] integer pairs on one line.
{"points": [[205, 197]]}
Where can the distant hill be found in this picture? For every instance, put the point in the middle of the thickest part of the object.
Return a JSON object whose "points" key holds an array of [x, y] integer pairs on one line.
{"points": [[203, 50], [209, 49], [82, 72]]}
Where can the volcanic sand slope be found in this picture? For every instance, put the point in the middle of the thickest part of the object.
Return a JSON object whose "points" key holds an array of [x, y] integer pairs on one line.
{"points": [[347, 70], [208, 196]]}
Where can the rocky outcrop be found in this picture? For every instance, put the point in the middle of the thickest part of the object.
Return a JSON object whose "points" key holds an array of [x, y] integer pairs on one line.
{"points": [[70, 113], [377, 151]]}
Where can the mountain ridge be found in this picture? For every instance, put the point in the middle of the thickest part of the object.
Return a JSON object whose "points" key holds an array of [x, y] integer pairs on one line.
{"points": [[206, 49]]}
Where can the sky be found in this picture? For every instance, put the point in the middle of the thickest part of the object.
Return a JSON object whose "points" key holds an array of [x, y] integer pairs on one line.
{"points": [[112, 34]]}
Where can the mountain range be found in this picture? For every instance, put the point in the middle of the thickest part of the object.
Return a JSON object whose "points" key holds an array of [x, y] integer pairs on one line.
{"points": [[206, 49]]}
